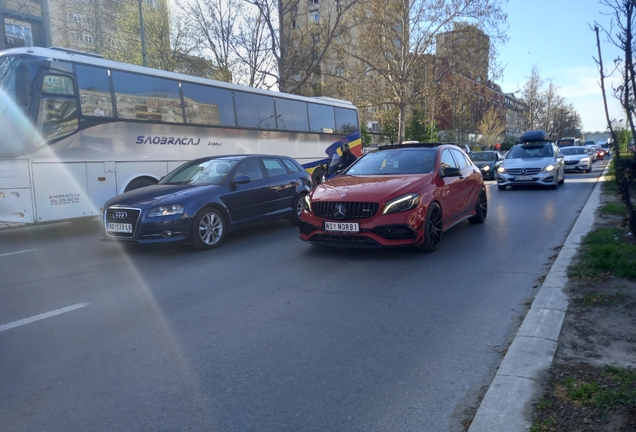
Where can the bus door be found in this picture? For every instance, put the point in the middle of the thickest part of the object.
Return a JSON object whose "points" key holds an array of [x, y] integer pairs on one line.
{"points": [[59, 190]]}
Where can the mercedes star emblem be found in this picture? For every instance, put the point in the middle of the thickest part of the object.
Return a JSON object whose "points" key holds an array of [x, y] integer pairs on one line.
{"points": [[340, 211]]}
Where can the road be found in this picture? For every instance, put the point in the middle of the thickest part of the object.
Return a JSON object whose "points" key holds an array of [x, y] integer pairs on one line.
{"points": [[268, 333]]}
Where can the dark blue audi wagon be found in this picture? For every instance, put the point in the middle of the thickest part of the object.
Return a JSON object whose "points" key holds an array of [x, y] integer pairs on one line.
{"points": [[202, 200]]}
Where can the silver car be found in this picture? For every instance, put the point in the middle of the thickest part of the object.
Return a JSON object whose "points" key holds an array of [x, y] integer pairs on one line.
{"points": [[576, 159], [535, 160]]}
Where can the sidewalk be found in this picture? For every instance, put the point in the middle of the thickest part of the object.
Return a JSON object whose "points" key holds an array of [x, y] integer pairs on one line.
{"points": [[507, 405]]}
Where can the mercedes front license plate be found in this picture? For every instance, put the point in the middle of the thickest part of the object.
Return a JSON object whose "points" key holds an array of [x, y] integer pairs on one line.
{"points": [[523, 178], [119, 227], [342, 227]]}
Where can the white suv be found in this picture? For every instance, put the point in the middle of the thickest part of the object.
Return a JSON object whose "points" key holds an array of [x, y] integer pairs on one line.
{"points": [[535, 160]]}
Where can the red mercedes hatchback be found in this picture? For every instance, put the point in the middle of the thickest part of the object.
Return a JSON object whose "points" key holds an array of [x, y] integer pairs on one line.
{"points": [[401, 195]]}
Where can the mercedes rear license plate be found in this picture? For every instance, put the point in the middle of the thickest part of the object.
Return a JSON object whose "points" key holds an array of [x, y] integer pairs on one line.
{"points": [[119, 227], [342, 227], [523, 178]]}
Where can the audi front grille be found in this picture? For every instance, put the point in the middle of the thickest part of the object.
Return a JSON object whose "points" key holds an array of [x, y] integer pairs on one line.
{"points": [[349, 210], [122, 215]]}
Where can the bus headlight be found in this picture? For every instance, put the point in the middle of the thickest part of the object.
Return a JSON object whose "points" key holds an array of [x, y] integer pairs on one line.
{"points": [[403, 203], [168, 210]]}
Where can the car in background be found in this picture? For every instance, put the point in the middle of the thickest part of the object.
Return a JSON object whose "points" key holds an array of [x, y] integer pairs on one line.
{"points": [[487, 162], [534, 160], [600, 153], [607, 148], [199, 202], [576, 159], [591, 151], [631, 146], [589, 142], [403, 195]]}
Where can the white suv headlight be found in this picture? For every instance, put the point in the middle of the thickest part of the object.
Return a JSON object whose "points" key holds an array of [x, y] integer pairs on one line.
{"points": [[167, 210], [548, 168], [501, 169]]}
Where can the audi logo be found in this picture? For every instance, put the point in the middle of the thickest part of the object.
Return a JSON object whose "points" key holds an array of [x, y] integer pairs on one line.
{"points": [[340, 211], [120, 215]]}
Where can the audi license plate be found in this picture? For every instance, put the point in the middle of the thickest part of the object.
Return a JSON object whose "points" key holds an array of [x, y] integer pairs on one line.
{"points": [[342, 227], [523, 178], [119, 227]]}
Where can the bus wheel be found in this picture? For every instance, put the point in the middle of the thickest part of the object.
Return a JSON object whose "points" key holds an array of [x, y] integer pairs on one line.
{"points": [[140, 182], [208, 229], [316, 176]]}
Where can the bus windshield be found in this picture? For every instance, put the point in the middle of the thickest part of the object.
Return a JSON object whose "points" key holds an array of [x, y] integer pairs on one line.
{"points": [[8, 66], [17, 130]]}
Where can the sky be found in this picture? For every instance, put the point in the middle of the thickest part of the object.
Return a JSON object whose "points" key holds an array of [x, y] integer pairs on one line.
{"points": [[555, 35]]}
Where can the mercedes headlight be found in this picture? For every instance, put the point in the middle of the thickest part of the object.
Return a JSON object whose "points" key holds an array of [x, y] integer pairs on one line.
{"points": [[167, 210], [501, 169], [403, 203], [307, 203], [548, 168]]}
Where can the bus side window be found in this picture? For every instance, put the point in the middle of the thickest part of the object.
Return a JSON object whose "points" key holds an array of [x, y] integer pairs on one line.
{"points": [[292, 115], [94, 90], [321, 118], [147, 98], [346, 120], [207, 105], [255, 111]]}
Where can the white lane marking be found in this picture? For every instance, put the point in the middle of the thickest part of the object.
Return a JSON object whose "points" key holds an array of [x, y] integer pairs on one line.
{"points": [[41, 316], [18, 252]]}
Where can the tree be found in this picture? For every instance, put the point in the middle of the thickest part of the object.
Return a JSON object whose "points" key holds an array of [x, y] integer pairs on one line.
{"points": [[419, 129], [624, 16], [399, 43], [491, 128], [547, 109], [170, 43], [298, 50]]}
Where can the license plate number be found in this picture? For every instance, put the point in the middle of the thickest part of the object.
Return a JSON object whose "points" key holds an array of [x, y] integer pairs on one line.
{"points": [[523, 178], [342, 227], [119, 227]]}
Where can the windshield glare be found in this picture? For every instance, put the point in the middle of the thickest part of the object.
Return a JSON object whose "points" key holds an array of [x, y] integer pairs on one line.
{"points": [[391, 162], [531, 150], [209, 172]]}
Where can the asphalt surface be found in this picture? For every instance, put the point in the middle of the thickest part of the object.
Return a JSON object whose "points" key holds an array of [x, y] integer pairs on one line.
{"points": [[507, 405]]}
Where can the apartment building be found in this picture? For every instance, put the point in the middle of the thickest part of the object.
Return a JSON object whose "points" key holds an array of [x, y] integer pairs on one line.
{"points": [[84, 25]]}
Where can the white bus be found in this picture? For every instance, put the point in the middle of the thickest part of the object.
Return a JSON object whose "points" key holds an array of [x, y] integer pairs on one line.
{"points": [[76, 130]]}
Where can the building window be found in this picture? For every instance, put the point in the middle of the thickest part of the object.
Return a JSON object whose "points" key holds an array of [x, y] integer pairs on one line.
{"points": [[19, 32], [314, 17], [87, 38], [294, 24]]}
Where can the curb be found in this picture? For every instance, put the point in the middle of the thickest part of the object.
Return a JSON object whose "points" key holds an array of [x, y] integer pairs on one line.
{"points": [[507, 404]]}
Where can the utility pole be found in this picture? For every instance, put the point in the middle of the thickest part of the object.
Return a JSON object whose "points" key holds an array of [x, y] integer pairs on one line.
{"points": [[143, 34]]}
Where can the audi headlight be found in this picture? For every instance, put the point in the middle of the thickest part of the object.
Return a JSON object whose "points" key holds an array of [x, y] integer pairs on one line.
{"points": [[403, 203], [501, 169], [168, 210], [548, 168], [307, 203]]}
